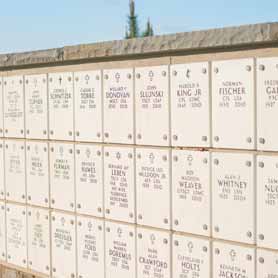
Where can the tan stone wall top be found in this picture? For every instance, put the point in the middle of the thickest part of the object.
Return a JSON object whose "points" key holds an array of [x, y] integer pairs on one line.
{"points": [[245, 37]]}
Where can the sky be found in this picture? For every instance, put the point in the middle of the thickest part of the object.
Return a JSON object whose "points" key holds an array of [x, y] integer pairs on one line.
{"points": [[35, 24]]}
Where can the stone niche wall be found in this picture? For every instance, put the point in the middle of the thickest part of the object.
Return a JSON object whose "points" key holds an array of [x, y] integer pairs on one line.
{"points": [[120, 156]]}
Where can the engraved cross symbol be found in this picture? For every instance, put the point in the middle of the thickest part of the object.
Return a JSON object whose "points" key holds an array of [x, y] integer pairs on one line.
{"points": [[87, 78], [118, 155], [151, 75], [190, 159], [117, 76], [152, 238], [188, 73], [63, 221], [60, 80], [119, 231], [190, 246], [90, 226], [88, 153], [151, 157], [233, 254]]}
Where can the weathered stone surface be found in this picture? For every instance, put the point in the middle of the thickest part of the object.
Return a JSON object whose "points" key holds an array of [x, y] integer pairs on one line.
{"points": [[35, 57], [9, 273], [226, 37], [12, 273], [246, 35]]}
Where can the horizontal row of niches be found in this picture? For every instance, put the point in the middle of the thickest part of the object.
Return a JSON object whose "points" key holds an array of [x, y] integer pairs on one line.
{"points": [[224, 104], [232, 196], [64, 245]]}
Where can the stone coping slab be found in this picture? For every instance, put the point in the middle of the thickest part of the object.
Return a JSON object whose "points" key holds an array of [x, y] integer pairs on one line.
{"points": [[229, 38]]}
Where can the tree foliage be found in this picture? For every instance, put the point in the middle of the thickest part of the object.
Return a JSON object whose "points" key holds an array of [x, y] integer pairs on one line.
{"points": [[149, 30], [132, 29]]}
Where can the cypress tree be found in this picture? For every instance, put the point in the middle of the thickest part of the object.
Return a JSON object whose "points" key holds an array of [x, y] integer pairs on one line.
{"points": [[133, 29], [149, 29]]}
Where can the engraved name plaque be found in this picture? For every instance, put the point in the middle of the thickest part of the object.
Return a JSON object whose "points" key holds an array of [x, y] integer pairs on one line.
{"points": [[90, 247], [191, 257], [153, 253], [267, 103], [39, 240], [60, 95], [233, 196], [153, 183], [152, 106], [15, 170], [191, 191], [89, 179], [1, 107], [233, 104], [267, 264], [63, 242], [119, 184], [118, 96], [16, 235], [120, 250], [3, 231], [267, 201], [13, 98], [36, 106], [62, 187], [190, 105], [37, 173], [88, 105], [233, 261], [2, 170]]}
